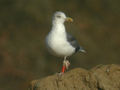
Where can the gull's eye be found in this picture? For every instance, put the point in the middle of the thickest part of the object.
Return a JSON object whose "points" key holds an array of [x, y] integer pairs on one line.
{"points": [[58, 16]]}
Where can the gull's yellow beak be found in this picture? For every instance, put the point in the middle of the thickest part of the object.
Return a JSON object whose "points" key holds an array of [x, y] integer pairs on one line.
{"points": [[68, 19]]}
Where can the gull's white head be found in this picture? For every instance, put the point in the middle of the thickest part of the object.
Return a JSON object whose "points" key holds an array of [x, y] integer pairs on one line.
{"points": [[60, 17]]}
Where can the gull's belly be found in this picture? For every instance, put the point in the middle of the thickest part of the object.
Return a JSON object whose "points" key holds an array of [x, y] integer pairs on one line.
{"points": [[60, 47]]}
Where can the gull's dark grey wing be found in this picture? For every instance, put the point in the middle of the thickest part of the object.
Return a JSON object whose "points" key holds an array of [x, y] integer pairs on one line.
{"points": [[74, 43]]}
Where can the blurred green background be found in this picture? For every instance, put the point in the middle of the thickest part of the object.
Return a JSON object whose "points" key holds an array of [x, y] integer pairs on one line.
{"points": [[25, 23]]}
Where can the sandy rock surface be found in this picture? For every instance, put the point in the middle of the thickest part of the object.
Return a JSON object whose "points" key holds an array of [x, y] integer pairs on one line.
{"points": [[101, 77]]}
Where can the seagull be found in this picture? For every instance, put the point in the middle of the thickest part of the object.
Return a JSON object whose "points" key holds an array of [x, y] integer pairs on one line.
{"points": [[59, 42]]}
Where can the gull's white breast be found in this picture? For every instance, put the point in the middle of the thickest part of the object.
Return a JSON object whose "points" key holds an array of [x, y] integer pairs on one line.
{"points": [[57, 42]]}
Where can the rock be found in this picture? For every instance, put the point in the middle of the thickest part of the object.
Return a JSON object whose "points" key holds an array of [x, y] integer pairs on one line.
{"points": [[101, 77], [107, 76]]}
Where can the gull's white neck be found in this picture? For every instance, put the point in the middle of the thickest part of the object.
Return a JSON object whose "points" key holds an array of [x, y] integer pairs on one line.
{"points": [[58, 27]]}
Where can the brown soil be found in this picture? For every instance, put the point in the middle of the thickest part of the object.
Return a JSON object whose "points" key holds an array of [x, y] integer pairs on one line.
{"points": [[101, 77]]}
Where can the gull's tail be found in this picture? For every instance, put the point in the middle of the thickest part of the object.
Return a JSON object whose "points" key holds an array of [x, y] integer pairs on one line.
{"points": [[82, 50]]}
